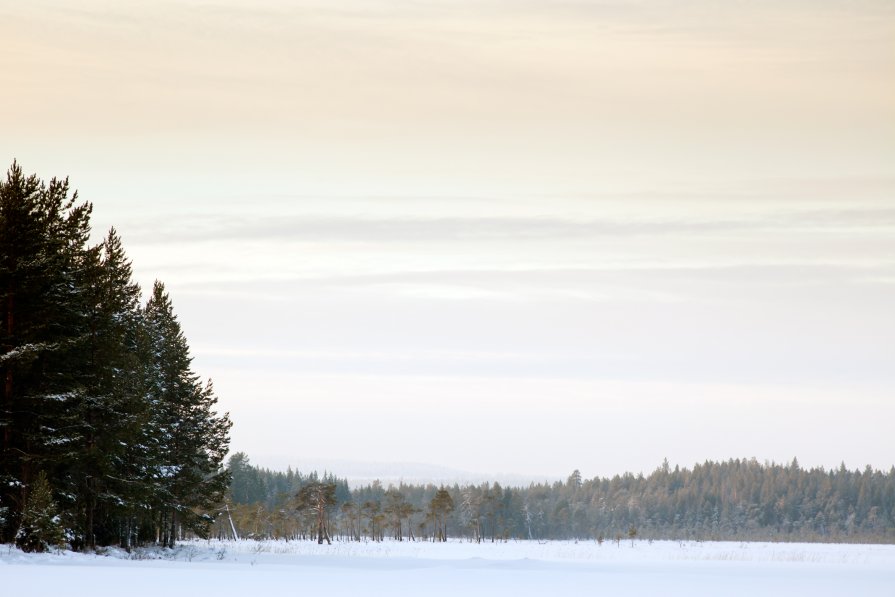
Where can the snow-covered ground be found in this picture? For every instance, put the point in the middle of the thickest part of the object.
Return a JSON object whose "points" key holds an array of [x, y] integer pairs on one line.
{"points": [[249, 568]]}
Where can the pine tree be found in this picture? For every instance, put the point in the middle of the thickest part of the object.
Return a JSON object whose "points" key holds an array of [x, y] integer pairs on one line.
{"points": [[43, 234], [317, 497], [112, 409], [440, 506], [395, 509], [41, 528], [187, 439]]}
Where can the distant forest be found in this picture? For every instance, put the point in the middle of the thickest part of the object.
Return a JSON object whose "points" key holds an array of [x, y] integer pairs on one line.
{"points": [[733, 500]]}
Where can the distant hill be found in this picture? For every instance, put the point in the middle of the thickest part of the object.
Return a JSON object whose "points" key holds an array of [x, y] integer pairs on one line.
{"points": [[359, 473]]}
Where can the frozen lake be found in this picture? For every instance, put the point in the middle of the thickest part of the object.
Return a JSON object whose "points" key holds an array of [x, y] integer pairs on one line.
{"points": [[517, 568]]}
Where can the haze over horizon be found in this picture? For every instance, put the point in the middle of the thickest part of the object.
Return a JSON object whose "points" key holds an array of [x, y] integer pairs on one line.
{"points": [[502, 237]]}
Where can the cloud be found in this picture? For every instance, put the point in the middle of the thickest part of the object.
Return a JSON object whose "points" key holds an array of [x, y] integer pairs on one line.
{"points": [[274, 227], [634, 283]]}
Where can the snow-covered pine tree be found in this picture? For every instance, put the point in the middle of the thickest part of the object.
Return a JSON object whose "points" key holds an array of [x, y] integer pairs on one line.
{"points": [[106, 477], [186, 438], [41, 528], [43, 234]]}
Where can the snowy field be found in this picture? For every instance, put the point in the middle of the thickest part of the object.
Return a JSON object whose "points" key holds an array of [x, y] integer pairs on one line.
{"points": [[250, 568]]}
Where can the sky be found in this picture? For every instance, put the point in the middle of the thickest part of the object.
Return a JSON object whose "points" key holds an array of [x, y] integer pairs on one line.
{"points": [[506, 237]]}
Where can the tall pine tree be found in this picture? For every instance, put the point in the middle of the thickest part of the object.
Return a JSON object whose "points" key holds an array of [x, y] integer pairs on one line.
{"points": [[189, 440], [43, 234], [112, 409]]}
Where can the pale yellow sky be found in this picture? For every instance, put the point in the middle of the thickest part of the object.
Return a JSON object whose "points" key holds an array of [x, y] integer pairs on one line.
{"points": [[562, 219], [460, 96]]}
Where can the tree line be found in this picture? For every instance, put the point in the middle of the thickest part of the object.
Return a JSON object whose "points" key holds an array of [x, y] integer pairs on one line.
{"points": [[740, 499], [107, 436]]}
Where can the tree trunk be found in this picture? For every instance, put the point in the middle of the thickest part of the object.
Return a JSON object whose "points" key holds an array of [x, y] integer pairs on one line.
{"points": [[173, 532], [321, 526], [232, 526], [89, 535], [7, 391]]}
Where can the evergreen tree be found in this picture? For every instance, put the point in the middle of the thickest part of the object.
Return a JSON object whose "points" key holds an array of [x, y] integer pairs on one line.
{"points": [[41, 528], [112, 408], [395, 509], [246, 484], [97, 394], [43, 232], [317, 497], [188, 440], [441, 505]]}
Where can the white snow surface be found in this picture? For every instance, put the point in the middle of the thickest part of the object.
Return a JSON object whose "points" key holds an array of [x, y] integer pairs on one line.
{"points": [[267, 568]]}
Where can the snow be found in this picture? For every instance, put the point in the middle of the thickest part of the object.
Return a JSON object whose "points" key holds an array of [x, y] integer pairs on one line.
{"points": [[456, 568]]}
